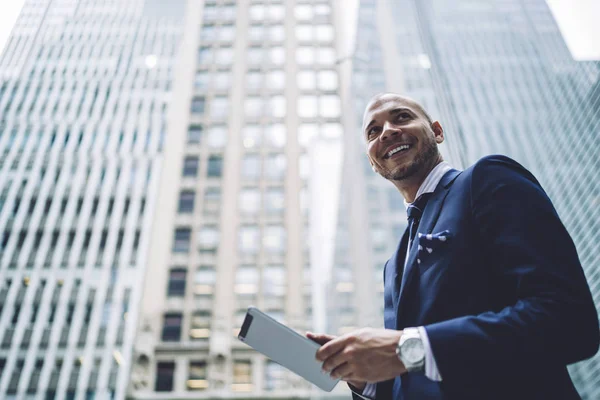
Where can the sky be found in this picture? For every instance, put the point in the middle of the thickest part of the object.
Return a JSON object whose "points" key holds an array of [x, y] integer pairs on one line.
{"points": [[577, 20]]}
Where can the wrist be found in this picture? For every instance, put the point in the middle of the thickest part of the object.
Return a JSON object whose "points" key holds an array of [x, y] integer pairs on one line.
{"points": [[410, 350], [357, 386], [400, 368]]}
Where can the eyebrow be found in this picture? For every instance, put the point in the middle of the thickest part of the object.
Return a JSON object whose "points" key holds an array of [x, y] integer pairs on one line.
{"points": [[392, 112]]}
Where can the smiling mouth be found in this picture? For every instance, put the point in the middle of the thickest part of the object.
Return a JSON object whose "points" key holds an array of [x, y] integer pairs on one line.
{"points": [[398, 149]]}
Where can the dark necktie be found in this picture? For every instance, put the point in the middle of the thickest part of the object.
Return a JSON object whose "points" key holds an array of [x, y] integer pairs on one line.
{"points": [[415, 211]]}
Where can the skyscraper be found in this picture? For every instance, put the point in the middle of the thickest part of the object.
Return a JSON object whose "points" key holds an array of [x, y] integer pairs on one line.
{"points": [[84, 91], [499, 77], [258, 86]]}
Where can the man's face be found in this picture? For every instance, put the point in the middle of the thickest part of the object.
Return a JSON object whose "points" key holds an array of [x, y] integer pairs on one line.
{"points": [[400, 140]]}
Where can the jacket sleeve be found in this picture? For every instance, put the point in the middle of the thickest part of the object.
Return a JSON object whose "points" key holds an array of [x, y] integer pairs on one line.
{"points": [[531, 252]]}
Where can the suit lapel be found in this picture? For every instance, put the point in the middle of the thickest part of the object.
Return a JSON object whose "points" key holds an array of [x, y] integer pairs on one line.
{"points": [[430, 216], [397, 262]]}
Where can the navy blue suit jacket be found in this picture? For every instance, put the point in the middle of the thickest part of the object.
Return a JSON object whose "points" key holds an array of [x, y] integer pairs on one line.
{"points": [[504, 300]]}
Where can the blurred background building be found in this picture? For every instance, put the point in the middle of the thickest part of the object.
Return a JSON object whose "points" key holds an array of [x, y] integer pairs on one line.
{"points": [[84, 91], [499, 77], [164, 165], [256, 90]]}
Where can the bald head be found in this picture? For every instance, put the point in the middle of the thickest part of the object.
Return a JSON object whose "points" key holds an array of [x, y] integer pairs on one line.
{"points": [[381, 99]]}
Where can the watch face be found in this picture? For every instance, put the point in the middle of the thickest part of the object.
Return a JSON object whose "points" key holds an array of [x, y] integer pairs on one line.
{"points": [[413, 351]]}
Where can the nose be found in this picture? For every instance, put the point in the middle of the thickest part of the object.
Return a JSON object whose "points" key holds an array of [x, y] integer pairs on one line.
{"points": [[388, 130]]}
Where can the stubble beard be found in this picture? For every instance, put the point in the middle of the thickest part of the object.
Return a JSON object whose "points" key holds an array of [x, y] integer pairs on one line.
{"points": [[421, 161]]}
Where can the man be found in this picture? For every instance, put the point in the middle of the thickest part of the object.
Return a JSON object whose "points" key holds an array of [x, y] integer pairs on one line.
{"points": [[485, 297]]}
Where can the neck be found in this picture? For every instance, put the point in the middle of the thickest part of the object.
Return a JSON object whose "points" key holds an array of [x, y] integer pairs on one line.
{"points": [[410, 186]]}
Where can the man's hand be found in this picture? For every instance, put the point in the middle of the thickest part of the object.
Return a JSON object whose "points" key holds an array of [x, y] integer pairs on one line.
{"points": [[365, 355], [324, 338]]}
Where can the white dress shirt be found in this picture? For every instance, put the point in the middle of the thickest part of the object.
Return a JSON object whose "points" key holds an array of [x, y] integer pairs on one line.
{"points": [[431, 370]]}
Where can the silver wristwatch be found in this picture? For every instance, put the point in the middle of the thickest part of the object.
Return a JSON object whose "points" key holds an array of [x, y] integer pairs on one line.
{"points": [[410, 350]]}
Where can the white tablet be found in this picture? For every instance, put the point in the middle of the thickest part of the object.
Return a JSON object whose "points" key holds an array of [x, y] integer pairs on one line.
{"points": [[285, 346]]}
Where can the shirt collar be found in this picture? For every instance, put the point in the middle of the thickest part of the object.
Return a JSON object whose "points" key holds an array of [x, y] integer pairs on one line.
{"points": [[432, 180]]}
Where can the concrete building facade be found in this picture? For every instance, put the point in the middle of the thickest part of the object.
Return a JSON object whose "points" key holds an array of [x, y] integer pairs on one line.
{"points": [[84, 89], [256, 89]]}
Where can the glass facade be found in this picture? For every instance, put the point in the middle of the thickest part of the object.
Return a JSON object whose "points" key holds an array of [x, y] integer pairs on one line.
{"points": [[500, 79]]}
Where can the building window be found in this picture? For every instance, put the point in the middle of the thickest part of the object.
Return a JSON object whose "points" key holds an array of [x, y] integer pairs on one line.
{"points": [[274, 239], [277, 33], [276, 80], [327, 80], [274, 376], [204, 280], [190, 166], [307, 106], [177, 282], [248, 239], [242, 376], [200, 325], [212, 195], [164, 376], [208, 33], [324, 33], [256, 32], [273, 282], [251, 166], [275, 165], [172, 327], [254, 80], [197, 376], [306, 133], [224, 56], [222, 80], [246, 280], [307, 80], [326, 56], [276, 135], [227, 33], [197, 106], [216, 137], [330, 106], [249, 201], [253, 107], [219, 107], [277, 106], [201, 80], [274, 201], [304, 33], [304, 12], [257, 12], [277, 55], [255, 55], [215, 166], [181, 243], [205, 56], [208, 238], [194, 134], [305, 55], [186, 201], [251, 136]]}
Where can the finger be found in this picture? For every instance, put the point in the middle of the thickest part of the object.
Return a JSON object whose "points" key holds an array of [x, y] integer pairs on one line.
{"points": [[319, 338], [343, 371], [336, 360], [330, 348]]}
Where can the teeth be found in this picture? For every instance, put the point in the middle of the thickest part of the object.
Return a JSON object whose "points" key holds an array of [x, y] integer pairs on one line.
{"points": [[397, 149]]}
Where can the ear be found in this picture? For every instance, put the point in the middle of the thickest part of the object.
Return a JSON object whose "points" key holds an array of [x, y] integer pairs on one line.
{"points": [[438, 132]]}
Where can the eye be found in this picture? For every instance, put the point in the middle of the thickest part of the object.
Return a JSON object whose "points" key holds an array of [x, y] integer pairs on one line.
{"points": [[403, 115], [372, 131]]}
